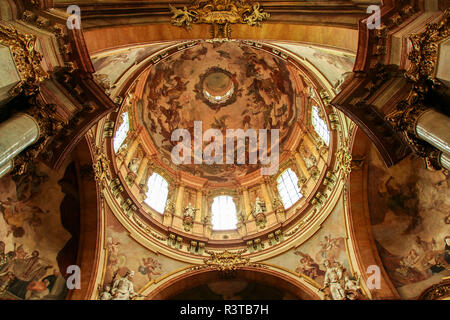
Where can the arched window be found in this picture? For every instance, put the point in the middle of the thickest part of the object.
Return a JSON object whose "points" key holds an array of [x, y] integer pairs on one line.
{"points": [[223, 213], [158, 189], [122, 132], [288, 188], [320, 125]]}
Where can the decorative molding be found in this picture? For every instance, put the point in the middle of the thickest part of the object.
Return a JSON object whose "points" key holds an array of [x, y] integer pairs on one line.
{"points": [[423, 57], [437, 291], [226, 261]]}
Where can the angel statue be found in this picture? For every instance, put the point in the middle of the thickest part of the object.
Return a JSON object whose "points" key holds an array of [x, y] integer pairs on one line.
{"points": [[189, 216], [189, 211], [182, 18], [258, 213], [258, 208]]}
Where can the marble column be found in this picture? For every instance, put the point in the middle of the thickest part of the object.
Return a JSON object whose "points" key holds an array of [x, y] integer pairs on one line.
{"points": [[10, 75], [179, 203], [130, 152], [434, 128], [267, 198], [199, 201], [16, 134]]}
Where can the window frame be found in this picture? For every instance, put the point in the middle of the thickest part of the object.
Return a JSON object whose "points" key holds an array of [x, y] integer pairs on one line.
{"points": [[320, 125], [121, 130], [229, 226], [150, 196], [285, 189]]}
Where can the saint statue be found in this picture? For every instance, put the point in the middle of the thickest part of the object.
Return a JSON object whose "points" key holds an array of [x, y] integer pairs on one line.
{"points": [[258, 208], [189, 211], [123, 288], [333, 281]]}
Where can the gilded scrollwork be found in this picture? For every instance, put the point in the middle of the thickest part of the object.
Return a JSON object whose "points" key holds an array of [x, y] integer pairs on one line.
{"points": [[220, 14], [226, 261], [26, 58], [49, 126], [423, 57]]}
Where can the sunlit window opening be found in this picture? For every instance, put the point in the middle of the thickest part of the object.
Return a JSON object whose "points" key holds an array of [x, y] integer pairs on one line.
{"points": [[320, 126], [224, 213], [158, 189], [288, 188], [122, 132]]}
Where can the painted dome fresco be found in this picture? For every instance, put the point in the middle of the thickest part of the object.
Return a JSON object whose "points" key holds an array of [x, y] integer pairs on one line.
{"points": [[226, 85]]}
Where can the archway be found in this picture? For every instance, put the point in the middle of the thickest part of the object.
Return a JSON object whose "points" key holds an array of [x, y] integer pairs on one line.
{"points": [[213, 285]]}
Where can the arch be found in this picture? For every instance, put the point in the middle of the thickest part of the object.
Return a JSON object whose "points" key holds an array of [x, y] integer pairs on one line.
{"points": [[100, 39], [91, 223], [360, 230], [267, 277]]}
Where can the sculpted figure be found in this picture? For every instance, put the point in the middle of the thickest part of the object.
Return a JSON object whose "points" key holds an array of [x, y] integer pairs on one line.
{"points": [[333, 281], [123, 288]]}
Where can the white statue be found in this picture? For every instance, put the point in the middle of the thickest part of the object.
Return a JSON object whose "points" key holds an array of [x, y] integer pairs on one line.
{"points": [[134, 165], [352, 288], [189, 211], [258, 209], [123, 288], [333, 281], [106, 294]]}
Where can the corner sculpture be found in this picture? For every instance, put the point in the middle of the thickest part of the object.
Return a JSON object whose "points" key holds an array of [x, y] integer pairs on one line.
{"points": [[220, 14]]}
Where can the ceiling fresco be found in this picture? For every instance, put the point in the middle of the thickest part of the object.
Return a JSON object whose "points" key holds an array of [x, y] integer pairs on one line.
{"points": [[334, 64], [225, 86], [34, 242], [413, 203], [112, 65]]}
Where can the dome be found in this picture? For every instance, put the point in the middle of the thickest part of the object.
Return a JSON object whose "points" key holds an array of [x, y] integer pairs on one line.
{"points": [[235, 86], [234, 122]]}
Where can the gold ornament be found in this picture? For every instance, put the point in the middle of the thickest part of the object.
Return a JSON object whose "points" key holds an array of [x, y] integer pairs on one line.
{"points": [[26, 58], [220, 14], [226, 261]]}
